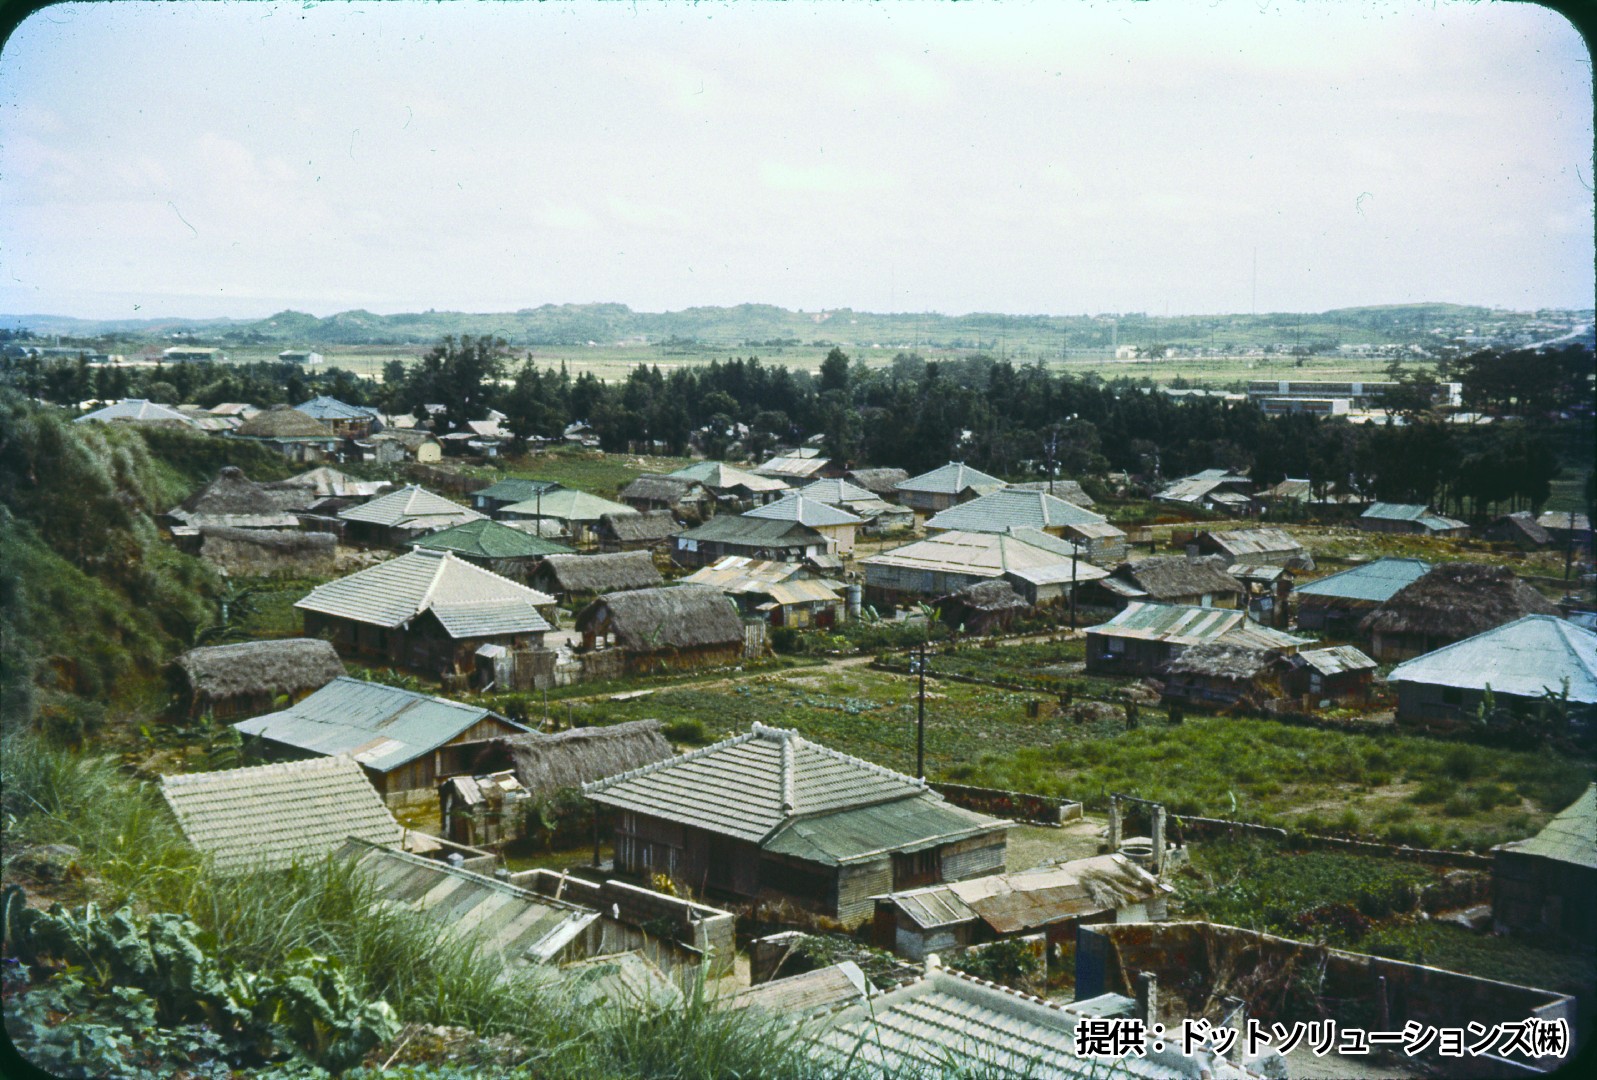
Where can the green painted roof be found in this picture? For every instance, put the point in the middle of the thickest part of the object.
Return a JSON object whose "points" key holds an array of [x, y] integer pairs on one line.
{"points": [[1570, 837], [564, 504], [515, 489], [1526, 658], [490, 540], [869, 832], [1373, 581]]}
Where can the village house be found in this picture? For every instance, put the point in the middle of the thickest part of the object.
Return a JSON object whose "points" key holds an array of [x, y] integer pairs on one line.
{"points": [[1521, 662], [798, 467], [1269, 547], [495, 546], [752, 538], [1409, 518], [399, 517], [734, 489], [1334, 604], [648, 530], [1041, 568], [234, 500], [325, 482], [883, 483], [1544, 885], [1221, 676], [987, 607], [507, 492], [426, 611], [1211, 489], [261, 552], [227, 682], [1335, 674], [663, 629], [1267, 588], [138, 411], [480, 806], [1002, 511], [577, 512], [1520, 529], [782, 593], [1451, 602], [347, 421], [878, 516], [945, 486], [395, 735], [291, 433], [836, 525], [1069, 490], [299, 356], [677, 495], [1050, 900], [772, 816], [570, 578], [1144, 637], [1168, 579], [1567, 528], [398, 445]]}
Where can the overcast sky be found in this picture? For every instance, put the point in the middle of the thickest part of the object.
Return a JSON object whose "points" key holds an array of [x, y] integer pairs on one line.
{"points": [[205, 159]]}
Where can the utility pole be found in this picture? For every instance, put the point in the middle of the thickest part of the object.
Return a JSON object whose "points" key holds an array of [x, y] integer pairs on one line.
{"points": [[1075, 554], [920, 721]]}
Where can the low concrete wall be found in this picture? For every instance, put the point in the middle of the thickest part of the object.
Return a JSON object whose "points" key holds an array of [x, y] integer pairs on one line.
{"points": [[1014, 805]]}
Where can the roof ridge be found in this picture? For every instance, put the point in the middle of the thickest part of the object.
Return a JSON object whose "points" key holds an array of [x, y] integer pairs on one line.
{"points": [[303, 764], [766, 730], [692, 755]]}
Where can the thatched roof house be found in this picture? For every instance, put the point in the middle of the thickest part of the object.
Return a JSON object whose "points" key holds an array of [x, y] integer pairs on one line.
{"points": [[1521, 529], [263, 552], [650, 530], [545, 764], [677, 494], [983, 608], [883, 483], [1221, 675], [290, 432], [1170, 579], [233, 681], [235, 500], [1452, 602], [566, 576], [683, 626], [1335, 603]]}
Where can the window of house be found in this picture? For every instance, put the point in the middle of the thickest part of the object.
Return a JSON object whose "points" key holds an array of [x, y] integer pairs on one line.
{"points": [[1452, 695]]}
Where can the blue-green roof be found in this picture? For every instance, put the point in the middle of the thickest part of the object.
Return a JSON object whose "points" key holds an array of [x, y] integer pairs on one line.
{"points": [[1373, 581], [999, 511], [515, 489]]}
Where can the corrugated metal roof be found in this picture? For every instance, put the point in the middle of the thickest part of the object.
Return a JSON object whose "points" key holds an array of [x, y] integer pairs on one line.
{"points": [[394, 592], [1373, 581], [514, 489], [515, 925], [411, 507], [811, 991], [270, 816], [1527, 658], [870, 832], [382, 727], [1181, 624], [792, 465], [1336, 660], [1384, 511], [796, 507], [739, 573], [951, 479], [931, 907], [1239, 543], [1000, 511], [330, 408], [1570, 837], [564, 504], [1028, 554]]}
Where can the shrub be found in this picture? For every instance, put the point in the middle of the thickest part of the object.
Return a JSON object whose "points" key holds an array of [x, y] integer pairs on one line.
{"points": [[690, 730]]}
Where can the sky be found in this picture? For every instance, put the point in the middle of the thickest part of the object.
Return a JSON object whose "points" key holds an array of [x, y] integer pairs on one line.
{"points": [[205, 159]]}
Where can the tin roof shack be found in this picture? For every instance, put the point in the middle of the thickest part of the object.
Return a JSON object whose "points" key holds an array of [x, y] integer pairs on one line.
{"points": [[582, 577], [577, 512], [798, 467], [770, 815], [987, 607], [945, 486], [347, 421], [733, 489], [1329, 676], [1520, 529], [1521, 663], [1409, 518], [227, 682], [1041, 568], [836, 525], [649, 530], [1144, 637], [1269, 547], [674, 494], [1006, 510], [494, 546], [752, 538], [676, 628], [502, 493], [1268, 590], [1195, 966], [1168, 579], [479, 809], [271, 816], [396, 735], [291, 433], [1210, 489], [427, 612], [1223, 677], [785, 594], [1334, 604], [1050, 900], [1544, 885], [1451, 602], [396, 519]]}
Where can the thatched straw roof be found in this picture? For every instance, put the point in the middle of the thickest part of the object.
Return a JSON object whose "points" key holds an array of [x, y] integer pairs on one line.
{"points": [[282, 541], [1221, 662], [987, 597], [234, 493], [568, 759], [615, 572], [282, 422], [649, 527], [289, 666], [653, 487], [651, 620], [1457, 600], [877, 481], [1170, 576]]}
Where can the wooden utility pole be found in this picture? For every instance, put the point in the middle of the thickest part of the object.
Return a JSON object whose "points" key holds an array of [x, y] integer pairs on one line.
{"points": [[920, 721]]}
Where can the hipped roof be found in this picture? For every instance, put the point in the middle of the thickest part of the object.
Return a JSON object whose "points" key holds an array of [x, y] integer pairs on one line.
{"points": [[1457, 600], [719, 476], [468, 600], [411, 507], [487, 539], [811, 512], [999, 511], [951, 479], [282, 422], [1528, 657], [565, 504]]}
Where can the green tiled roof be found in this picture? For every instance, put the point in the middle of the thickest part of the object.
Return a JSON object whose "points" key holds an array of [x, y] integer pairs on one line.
{"points": [[515, 489], [490, 540], [869, 832]]}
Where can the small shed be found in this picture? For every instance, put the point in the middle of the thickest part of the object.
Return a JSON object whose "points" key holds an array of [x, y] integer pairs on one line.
{"points": [[786, 594], [569, 577], [1520, 529], [987, 607], [1273, 547], [1221, 676], [1452, 602], [673, 494], [228, 682], [685, 626], [1544, 885], [650, 530], [1336, 674]]}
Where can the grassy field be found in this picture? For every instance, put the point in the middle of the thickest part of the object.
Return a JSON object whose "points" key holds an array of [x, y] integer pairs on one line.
{"points": [[584, 470]]}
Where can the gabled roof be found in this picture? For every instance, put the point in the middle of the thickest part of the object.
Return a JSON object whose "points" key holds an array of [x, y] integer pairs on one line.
{"points": [[1385, 511], [270, 816], [1182, 624], [611, 572], [330, 483], [718, 476], [1525, 523], [773, 787], [1335, 660], [282, 422], [381, 727], [647, 527], [1241, 543], [1570, 837], [1566, 520], [740, 529], [470, 601], [330, 408], [663, 619], [566, 504], [1169, 577], [1019, 903], [796, 507], [411, 507], [1372, 581], [999, 511], [951, 479], [652, 487], [515, 489], [878, 481], [797, 466], [1027, 554], [1191, 489], [1527, 658], [485, 539], [137, 409]]}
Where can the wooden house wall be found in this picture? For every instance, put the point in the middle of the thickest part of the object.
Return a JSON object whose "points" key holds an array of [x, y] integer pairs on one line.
{"points": [[1541, 895], [975, 857], [1135, 656], [857, 884], [424, 648]]}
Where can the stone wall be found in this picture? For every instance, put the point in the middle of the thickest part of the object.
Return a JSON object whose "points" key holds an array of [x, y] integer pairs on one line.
{"points": [[1013, 805], [269, 552]]}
